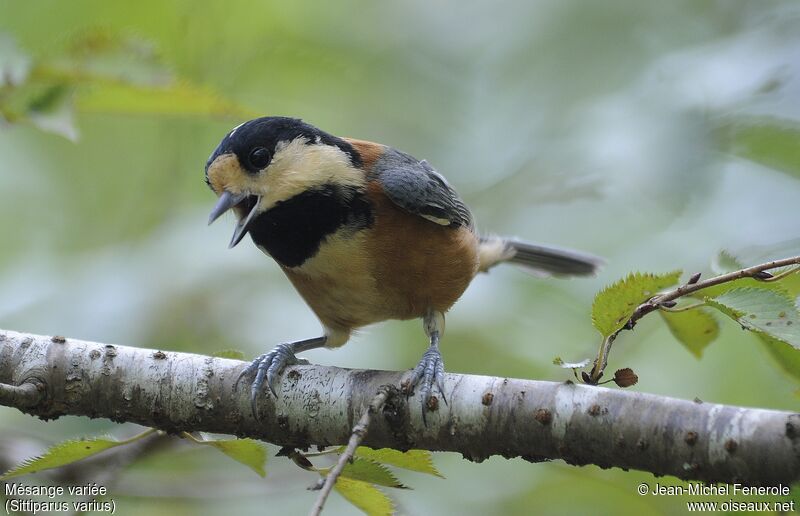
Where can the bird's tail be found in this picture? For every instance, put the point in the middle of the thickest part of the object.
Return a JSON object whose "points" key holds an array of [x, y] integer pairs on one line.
{"points": [[537, 259]]}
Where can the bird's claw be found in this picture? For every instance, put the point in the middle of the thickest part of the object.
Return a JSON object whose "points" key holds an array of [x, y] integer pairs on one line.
{"points": [[268, 366], [429, 372]]}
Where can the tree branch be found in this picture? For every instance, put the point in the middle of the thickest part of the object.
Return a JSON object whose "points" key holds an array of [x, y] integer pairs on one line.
{"points": [[486, 416]]}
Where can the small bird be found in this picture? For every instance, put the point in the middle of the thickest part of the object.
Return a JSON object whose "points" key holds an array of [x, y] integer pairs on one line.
{"points": [[364, 232]]}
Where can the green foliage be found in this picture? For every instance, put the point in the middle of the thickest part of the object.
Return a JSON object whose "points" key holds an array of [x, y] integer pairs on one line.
{"points": [[412, 460], [766, 140], [372, 472], [766, 308], [725, 262], [359, 479], [100, 72], [177, 98], [614, 304], [365, 496], [62, 454], [765, 311], [694, 328], [249, 452], [786, 357]]}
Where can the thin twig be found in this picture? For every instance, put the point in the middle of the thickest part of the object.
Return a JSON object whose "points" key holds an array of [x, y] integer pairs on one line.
{"points": [[655, 302], [28, 394], [787, 272], [329, 451], [359, 432], [678, 309]]}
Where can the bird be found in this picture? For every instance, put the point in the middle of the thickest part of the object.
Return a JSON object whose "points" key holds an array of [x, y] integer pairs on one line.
{"points": [[364, 232]]}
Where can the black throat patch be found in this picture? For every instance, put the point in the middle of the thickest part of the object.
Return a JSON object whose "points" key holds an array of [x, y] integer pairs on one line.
{"points": [[293, 230]]}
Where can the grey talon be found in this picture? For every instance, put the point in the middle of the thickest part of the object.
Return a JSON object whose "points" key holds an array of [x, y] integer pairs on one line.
{"points": [[269, 366]]}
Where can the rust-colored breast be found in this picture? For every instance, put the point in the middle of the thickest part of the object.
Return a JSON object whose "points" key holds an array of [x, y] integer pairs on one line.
{"points": [[397, 268], [418, 264], [369, 151]]}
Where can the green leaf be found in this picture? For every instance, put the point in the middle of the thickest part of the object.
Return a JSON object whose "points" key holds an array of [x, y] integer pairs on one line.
{"points": [[249, 452], [234, 354], [372, 472], [769, 141], [104, 72], [62, 454], [178, 98], [420, 461], [614, 304], [786, 357], [725, 262], [766, 311], [695, 328], [365, 496], [791, 283]]}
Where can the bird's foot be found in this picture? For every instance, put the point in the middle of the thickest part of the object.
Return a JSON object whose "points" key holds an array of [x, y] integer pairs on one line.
{"points": [[268, 367], [429, 372]]}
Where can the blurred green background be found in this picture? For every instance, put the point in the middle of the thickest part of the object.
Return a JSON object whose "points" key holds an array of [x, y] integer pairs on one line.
{"points": [[652, 133]]}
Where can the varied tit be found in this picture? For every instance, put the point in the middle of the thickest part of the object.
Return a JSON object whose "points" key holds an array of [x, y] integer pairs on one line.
{"points": [[364, 232]]}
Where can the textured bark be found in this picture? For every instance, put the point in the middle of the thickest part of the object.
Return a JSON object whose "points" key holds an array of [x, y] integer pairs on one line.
{"points": [[485, 416]]}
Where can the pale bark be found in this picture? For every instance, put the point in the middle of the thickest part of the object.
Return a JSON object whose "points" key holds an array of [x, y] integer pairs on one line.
{"points": [[316, 405]]}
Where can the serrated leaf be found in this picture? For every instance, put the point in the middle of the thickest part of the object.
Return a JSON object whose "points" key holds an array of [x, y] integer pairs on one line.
{"points": [[420, 461], [763, 310], [234, 354], [100, 53], [785, 356], [614, 304], [249, 452], [62, 454], [769, 141], [365, 496], [695, 328], [372, 472], [725, 262], [178, 98]]}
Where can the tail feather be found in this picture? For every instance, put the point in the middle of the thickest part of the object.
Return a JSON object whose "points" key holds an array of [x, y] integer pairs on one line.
{"points": [[538, 259]]}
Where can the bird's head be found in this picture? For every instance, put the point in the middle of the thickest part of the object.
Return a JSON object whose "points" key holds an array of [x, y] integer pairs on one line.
{"points": [[269, 160]]}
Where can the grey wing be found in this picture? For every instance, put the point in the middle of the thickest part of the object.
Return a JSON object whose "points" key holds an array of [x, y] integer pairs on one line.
{"points": [[417, 188]]}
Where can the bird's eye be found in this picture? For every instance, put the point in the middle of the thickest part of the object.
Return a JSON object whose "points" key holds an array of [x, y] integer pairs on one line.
{"points": [[259, 157]]}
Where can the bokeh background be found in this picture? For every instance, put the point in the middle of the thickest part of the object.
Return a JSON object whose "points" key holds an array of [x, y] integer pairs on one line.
{"points": [[652, 133]]}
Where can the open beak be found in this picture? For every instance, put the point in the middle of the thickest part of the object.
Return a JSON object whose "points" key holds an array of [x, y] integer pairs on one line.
{"points": [[227, 201]]}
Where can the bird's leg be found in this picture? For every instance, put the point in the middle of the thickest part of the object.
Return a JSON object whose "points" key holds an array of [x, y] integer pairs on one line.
{"points": [[269, 365], [430, 370]]}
